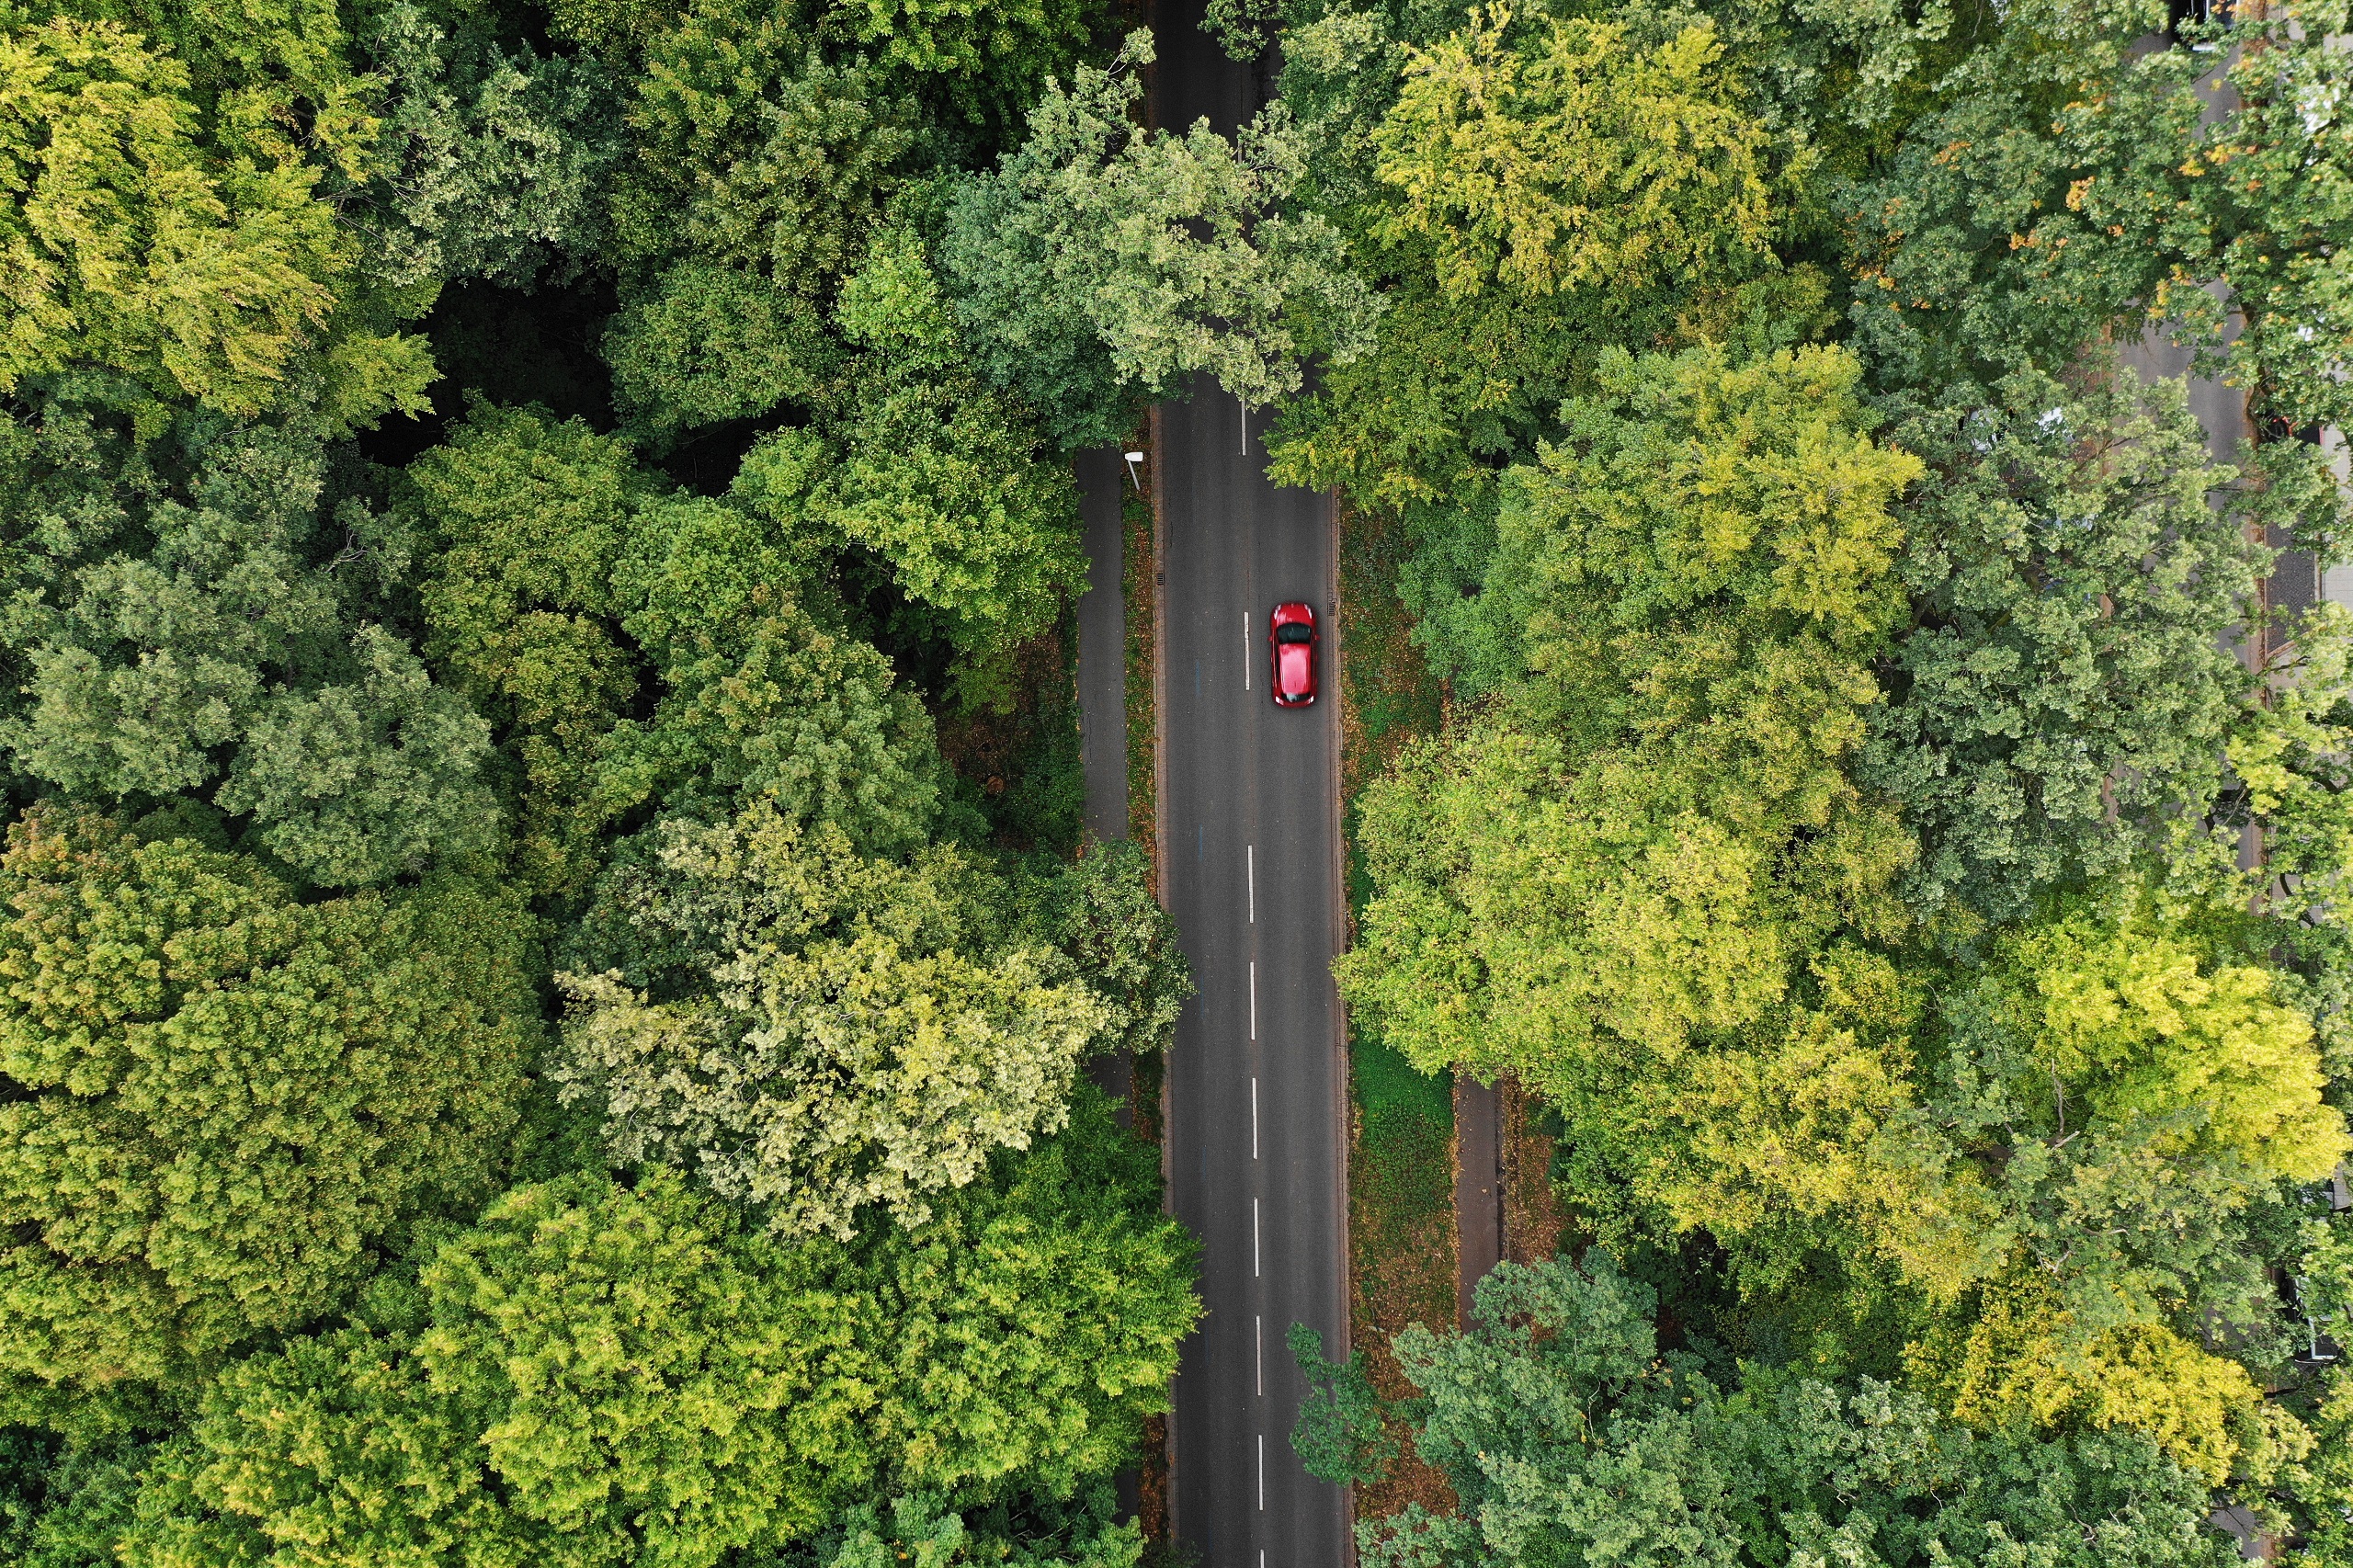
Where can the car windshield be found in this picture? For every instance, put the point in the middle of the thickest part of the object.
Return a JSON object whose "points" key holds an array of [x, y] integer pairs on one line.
{"points": [[1294, 632]]}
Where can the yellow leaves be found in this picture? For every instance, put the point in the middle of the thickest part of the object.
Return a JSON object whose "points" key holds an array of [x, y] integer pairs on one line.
{"points": [[2144, 1023], [123, 242], [2024, 1357], [1575, 161], [2076, 194]]}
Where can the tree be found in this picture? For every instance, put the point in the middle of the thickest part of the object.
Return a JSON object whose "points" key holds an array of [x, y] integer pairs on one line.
{"points": [[1033, 1325], [749, 150], [124, 242], [485, 163], [945, 481], [753, 1366], [705, 344], [225, 1104], [1574, 160], [760, 699], [1100, 912], [988, 58], [1339, 1437], [602, 1375], [354, 783], [923, 1528], [598, 1375], [1568, 1437], [842, 1039], [525, 518], [1663, 833], [2107, 1100], [2064, 693], [188, 621], [2070, 182], [1092, 232]]}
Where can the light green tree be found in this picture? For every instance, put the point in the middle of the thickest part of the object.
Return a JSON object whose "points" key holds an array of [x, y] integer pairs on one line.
{"points": [[1033, 1325], [844, 1043], [228, 1103], [124, 242], [1661, 835], [1572, 158], [596, 1376], [602, 1375]]}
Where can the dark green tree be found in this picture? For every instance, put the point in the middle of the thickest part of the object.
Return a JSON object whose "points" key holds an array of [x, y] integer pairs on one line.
{"points": [[1569, 1439], [189, 621]]}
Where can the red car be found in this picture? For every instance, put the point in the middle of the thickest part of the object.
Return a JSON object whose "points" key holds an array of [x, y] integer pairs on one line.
{"points": [[1290, 640]]}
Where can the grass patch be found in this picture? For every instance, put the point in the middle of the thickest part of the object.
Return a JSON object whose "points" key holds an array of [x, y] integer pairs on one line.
{"points": [[1401, 1164], [1140, 603]]}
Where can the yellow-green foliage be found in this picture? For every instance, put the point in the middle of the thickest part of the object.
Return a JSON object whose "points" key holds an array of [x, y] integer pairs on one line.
{"points": [[1662, 831], [228, 1103], [2021, 1360], [124, 244], [1562, 155], [2125, 1014]]}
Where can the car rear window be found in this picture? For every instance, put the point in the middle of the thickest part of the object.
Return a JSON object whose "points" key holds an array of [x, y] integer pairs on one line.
{"points": [[1294, 632]]}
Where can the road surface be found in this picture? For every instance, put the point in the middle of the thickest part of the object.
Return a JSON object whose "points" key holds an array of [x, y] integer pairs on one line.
{"points": [[1250, 848], [1254, 1082]]}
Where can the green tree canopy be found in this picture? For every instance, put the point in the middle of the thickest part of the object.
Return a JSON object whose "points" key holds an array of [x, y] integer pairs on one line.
{"points": [[1100, 912], [749, 148], [2064, 694], [1575, 159], [1569, 1439], [1098, 258], [2070, 181], [487, 161], [1664, 832], [125, 242], [811, 1032], [192, 616], [525, 518], [604, 1375], [760, 699], [226, 1104]]}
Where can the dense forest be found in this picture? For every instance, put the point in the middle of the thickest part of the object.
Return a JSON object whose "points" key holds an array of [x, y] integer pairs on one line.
{"points": [[1880, 810], [522, 1042], [547, 954]]}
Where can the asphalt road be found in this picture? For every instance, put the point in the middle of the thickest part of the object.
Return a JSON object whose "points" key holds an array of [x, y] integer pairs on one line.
{"points": [[1254, 1082], [1250, 845]]}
